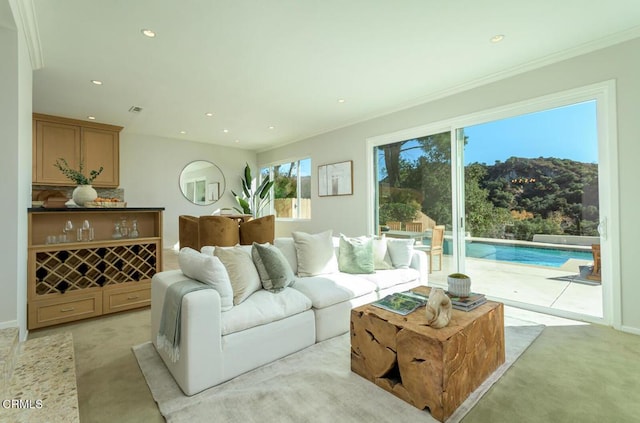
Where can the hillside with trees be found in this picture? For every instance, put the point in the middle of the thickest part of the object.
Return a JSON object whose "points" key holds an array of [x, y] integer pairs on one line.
{"points": [[516, 198]]}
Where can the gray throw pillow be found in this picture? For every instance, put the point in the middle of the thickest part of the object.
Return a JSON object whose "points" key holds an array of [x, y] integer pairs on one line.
{"points": [[273, 268], [356, 255]]}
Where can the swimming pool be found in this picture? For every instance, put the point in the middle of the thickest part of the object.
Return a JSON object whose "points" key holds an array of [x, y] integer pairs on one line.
{"points": [[525, 255]]}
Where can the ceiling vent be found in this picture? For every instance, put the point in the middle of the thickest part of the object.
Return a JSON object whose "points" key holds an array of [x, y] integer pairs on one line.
{"points": [[135, 109]]}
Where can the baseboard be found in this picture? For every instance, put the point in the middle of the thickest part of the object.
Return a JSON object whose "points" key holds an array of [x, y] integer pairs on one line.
{"points": [[9, 324], [630, 329]]}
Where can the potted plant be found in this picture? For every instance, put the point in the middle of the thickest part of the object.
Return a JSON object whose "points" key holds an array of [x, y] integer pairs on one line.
{"points": [[84, 192], [459, 284], [253, 201]]}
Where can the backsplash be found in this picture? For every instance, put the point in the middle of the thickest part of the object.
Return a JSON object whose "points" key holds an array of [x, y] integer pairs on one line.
{"points": [[37, 190]]}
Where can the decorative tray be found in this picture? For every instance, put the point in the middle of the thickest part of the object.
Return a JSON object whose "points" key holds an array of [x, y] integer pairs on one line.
{"points": [[106, 204]]}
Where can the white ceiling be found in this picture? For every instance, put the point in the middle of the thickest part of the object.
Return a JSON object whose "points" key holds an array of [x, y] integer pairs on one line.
{"points": [[285, 63]]}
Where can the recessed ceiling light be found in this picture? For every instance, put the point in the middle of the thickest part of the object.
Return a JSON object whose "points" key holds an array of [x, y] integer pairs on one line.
{"points": [[148, 33], [91, 117], [497, 38], [183, 132], [341, 100], [236, 141], [96, 82], [272, 127], [226, 131], [209, 114]]}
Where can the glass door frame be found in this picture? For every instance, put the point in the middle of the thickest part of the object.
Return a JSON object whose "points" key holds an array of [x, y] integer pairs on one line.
{"points": [[604, 94]]}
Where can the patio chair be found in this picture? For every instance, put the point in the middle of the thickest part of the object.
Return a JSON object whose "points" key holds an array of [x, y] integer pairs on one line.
{"points": [[595, 273], [436, 247], [395, 226], [413, 227]]}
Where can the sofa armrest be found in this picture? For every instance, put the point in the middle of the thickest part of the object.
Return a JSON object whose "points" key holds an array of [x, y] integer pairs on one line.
{"points": [[201, 359], [421, 264]]}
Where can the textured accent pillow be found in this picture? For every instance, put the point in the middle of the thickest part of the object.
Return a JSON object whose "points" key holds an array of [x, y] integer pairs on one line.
{"points": [[207, 269], [315, 253], [356, 255], [242, 272], [273, 268], [400, 251], [381, 259]]}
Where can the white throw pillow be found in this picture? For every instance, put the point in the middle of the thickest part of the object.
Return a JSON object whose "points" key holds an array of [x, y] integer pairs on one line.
{"points": [[315, 253], [381, 259], [400, 251], [207, 269], [242, 272]]}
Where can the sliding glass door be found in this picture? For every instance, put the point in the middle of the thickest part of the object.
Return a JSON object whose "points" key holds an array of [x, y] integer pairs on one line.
{"points": [[519, 194], [413, 194], [531, 208]]}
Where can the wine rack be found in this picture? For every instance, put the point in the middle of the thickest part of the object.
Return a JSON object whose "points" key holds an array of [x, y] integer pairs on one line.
{"points": [[76, 280], [58, 272]]}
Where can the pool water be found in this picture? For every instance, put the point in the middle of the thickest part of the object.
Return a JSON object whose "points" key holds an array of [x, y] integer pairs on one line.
{"points": [[525, 255]]}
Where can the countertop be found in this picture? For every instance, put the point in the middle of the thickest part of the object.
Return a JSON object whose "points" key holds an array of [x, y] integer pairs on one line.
{"points": [[92, 209]]}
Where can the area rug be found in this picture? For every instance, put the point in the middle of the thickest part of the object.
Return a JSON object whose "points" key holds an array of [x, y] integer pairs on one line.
{"points": [[312, 385]]}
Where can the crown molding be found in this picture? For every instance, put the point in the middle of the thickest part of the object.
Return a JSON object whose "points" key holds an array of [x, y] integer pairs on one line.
{"points": [[29, 23]]}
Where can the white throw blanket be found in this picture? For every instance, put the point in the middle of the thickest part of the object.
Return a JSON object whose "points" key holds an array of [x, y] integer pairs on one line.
{"points": [[168, 337]]}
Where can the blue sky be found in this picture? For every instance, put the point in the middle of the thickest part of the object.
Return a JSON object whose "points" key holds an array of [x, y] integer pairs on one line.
{"points": [[567, 133]]}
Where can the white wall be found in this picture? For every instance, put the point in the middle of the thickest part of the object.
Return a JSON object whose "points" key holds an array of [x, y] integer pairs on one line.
{"points": [[620, 62], [15, 162], [150, 172]]}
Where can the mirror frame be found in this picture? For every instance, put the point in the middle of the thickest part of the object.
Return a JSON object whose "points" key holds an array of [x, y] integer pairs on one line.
{"points": [[210, 191]]}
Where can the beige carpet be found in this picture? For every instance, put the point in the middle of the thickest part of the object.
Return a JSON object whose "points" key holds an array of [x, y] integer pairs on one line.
{"points": [[313, 385]]}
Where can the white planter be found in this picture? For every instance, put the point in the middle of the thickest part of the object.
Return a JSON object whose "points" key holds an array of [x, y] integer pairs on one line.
{"points": [[459, 286], [83, 194]]}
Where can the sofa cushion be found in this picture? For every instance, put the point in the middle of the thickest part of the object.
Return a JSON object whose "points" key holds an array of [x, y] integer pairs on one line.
{"points": [[400, 251], [381, 259], [384, 279], [242, 272], [288, 249], [315, 253], [356, 255], [326, 290], [207, 269], [273, 268], [264, 307]]}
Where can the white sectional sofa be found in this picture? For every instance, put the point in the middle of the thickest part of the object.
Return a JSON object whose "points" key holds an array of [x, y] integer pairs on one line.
{"points": [[218, 345]]}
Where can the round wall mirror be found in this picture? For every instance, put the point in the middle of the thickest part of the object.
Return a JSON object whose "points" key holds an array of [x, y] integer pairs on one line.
{"points": [[202, 182]]}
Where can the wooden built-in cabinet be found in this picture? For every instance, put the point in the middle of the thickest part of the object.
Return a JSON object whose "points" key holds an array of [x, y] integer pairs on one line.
{"points": [[73, 280], [94, 144]]}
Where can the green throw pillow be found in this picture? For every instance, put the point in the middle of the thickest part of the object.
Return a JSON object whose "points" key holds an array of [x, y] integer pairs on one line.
{"points": [[356, 255], [273, 268]]}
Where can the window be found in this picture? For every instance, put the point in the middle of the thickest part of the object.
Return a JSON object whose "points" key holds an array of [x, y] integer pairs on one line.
{"points": [[291, 190]]}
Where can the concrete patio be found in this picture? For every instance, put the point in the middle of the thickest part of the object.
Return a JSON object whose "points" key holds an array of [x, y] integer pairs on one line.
{"points": [[528, 284]]}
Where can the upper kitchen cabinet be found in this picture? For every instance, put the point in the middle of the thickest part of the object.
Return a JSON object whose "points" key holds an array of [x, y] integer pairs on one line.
{"points": [[94, 144]]}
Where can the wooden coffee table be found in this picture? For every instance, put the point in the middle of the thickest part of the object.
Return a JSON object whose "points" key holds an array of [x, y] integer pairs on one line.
{"points": [[426, 367]]}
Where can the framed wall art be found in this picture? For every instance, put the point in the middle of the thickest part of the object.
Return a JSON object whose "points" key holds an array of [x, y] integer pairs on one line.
{"points": [[335, 179]]}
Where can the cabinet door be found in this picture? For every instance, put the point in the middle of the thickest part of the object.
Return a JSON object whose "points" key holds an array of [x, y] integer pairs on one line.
{"points": [[52, 142], [101, 148]]}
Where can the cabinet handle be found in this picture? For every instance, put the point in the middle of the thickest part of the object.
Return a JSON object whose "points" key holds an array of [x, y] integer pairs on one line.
{"points": [[64, 310], [133, 297]]}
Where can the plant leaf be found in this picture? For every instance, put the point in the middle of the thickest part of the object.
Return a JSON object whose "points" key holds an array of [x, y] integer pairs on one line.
{"points": [[264, 193], [247, 174]]}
